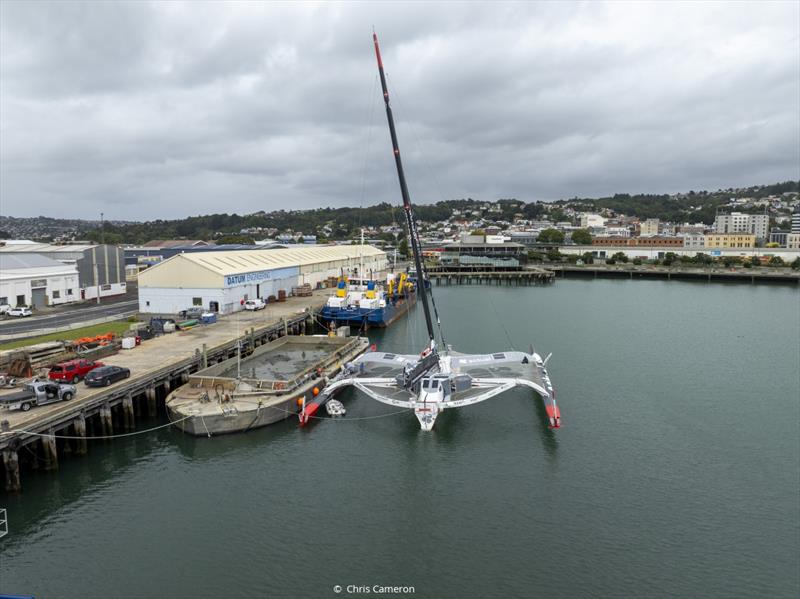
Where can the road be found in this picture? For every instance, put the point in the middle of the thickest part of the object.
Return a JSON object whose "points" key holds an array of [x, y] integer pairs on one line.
{"points": [[122, 306]]}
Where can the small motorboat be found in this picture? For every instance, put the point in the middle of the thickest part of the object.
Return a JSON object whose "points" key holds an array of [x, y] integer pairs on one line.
{"points": [[335, 408]]}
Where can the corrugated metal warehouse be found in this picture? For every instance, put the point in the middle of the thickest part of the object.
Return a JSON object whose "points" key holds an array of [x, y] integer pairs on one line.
{"points": [[101, 268], [219, 281], [36, 281]]}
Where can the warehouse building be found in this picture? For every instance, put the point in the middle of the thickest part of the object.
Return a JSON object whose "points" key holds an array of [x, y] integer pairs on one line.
{"points": [[101, 268], [36, 281], [220, 281]]}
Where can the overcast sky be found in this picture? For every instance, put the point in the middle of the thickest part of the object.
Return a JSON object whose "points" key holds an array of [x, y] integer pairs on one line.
{"points": [[165, 109]]}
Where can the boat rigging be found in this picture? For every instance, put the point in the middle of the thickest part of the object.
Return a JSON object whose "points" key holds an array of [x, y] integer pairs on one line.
{"points": [[440, 378]]}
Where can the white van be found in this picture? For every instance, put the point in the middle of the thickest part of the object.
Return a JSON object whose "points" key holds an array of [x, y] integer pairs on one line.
{"points": [[255, 304]]}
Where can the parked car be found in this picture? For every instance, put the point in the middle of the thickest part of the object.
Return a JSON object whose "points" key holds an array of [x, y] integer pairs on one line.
{"points": [[72, 371], [193, 312], [255, 304], [4, 308], [20, 311], [105, 375], [38, 393]]}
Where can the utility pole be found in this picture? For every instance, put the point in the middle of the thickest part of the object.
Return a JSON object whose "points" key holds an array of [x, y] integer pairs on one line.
{"points": [[102, 229]]}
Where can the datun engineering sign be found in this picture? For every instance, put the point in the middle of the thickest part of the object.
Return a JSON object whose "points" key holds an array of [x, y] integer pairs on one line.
{"points": [[260, 276]]}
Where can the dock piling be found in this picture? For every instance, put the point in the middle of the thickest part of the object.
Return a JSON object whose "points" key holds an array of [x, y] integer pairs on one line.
{"points": [[79, 425], [11, 463], [127, 412], [49, 450], [106, 422]]}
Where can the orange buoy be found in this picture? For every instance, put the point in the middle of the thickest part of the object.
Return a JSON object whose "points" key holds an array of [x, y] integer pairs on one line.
{"points": [[315, 391], [300, 401]]}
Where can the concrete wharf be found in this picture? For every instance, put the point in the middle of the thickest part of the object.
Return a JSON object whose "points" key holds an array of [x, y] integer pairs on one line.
{"points": [[157, 366], [746, 275], [483, 276]]}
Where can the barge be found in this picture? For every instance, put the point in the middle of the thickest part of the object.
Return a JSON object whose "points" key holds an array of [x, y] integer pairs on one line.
{"points": [[272, 384]]}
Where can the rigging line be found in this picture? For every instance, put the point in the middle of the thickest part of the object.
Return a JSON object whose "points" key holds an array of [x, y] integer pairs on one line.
{"points": [[149, 430], [500, 320], [431, 174], [366, 153]]}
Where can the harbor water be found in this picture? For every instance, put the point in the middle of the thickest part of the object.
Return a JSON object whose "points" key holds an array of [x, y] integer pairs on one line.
{"points": [[676, 472]]}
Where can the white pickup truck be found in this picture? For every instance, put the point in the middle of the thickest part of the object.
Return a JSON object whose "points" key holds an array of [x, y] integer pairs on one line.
{"points": [[37, 393]]}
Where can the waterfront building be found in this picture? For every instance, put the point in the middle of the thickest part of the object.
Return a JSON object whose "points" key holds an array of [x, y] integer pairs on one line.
{"points": [[737, 222], [222, 281], [694, 241], [477, 256], [729, 240], [793, 241], [36, 281], [676, 242], [101, 268], [796, 220]]}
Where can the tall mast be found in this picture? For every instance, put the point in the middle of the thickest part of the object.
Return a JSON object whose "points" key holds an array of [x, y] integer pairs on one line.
{"points": [[410, 222]]}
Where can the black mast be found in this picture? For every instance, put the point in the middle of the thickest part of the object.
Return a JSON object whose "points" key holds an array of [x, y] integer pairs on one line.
{"points": [[410, 222]]}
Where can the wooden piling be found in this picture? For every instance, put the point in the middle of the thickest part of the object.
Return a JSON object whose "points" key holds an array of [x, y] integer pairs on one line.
{"points": [[11, 463], [79, 426], [205, 356], [50, 451], [106, 422], [127, 412], [150, 394]]}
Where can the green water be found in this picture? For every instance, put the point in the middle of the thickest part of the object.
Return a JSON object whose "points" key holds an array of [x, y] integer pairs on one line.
{"points": [[676, 472]]}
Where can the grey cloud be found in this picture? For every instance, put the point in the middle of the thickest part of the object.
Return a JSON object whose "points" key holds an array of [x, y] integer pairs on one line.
{"points": [[149, 110]]}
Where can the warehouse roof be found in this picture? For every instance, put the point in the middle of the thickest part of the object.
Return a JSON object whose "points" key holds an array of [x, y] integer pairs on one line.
{"points": [[44, 248], [239, 262], [15, 261]]}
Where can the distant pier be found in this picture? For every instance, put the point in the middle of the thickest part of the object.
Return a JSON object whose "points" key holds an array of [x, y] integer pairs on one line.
{"points": [[755, 275], [483, 276]]}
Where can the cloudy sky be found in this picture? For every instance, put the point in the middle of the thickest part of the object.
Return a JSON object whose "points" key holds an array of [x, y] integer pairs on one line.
{"points": [[167, 109]]}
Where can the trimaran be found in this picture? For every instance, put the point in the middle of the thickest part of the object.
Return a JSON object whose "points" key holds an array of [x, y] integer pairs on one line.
{"points": [[437, 380]]}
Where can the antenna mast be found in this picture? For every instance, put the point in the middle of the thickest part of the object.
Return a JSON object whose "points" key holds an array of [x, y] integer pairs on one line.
{"points": [[410, 221]]}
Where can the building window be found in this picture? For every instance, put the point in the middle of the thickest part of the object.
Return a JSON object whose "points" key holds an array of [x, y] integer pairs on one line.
{"points": [[69, 291], [56, 294], [20, 300], [197, 301], [3, 301], [148, 303]]}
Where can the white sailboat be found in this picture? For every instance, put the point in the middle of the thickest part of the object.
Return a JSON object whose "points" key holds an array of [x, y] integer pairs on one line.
{"points": [[435, 380]]}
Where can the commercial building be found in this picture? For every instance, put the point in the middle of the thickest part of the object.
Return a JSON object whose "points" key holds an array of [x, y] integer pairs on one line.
{"points": [[36, 281], [658, 253], [221, 281], [796, 220], [676, 242], [714, 241], [778, 236], [588, 219], [477, 256], [793, 241], [649, 228], [694, 241], [101, 268], [736, 222]]}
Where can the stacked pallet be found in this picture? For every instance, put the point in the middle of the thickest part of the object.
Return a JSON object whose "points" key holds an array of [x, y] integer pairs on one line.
{"points": [[302, 290]]}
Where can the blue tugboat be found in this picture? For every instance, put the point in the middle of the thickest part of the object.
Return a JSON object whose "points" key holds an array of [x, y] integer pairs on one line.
{"points": [[366, 303]]}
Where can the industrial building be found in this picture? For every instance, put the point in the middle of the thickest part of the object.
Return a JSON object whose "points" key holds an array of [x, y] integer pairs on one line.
{"points": [[36, 281], [220, 281], [101, 268]]}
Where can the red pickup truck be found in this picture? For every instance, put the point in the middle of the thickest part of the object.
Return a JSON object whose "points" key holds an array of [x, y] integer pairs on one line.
{"points": [[72, 371]]}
